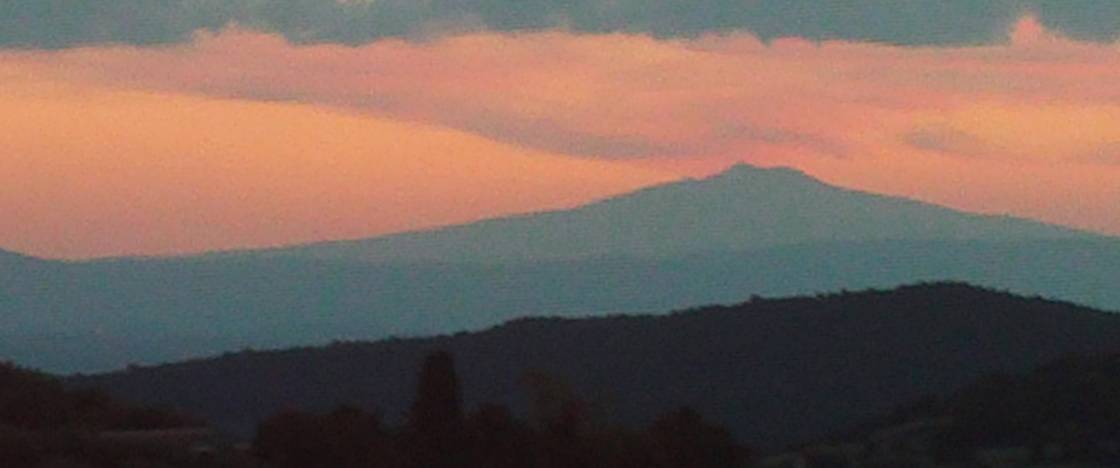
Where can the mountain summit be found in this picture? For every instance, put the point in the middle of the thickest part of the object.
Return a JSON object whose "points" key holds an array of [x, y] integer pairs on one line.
{"points": [[743, 208], [715, 240], [741, 173]]}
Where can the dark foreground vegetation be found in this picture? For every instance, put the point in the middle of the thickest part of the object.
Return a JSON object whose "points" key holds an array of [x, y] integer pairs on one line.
{"points": [[775, 372], [42, 424], [1064, 414], [947, 375], [438, 434]]}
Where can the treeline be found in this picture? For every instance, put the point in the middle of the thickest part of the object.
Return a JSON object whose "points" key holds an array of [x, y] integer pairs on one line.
{"points": [[439, 433], [1071, 406], [42, 423], [1062, 413], [33, 401], [776, 372], [1065, 413]]}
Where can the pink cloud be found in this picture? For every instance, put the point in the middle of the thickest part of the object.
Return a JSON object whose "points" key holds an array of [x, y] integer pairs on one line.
{"points": [[1003, 128], [623, 96]]}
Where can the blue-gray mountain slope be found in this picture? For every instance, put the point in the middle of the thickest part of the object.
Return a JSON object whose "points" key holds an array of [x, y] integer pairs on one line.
{"points": [[719, 240], [743, 208]]}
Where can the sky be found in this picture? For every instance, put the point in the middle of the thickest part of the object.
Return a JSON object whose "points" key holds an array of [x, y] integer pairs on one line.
{"points": [[145, 127]]}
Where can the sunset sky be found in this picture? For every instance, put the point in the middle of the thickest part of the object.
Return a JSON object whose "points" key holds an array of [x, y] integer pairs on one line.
{"points": [[178, 126]]}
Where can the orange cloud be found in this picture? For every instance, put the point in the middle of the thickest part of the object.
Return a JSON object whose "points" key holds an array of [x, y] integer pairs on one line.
{"points": [[623, 96], [1027, 128], [89, 172]]}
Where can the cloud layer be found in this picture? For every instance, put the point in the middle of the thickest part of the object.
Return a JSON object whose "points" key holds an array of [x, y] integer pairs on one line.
{"points": [[1040, 97], [1028, 126], [65, 23]]}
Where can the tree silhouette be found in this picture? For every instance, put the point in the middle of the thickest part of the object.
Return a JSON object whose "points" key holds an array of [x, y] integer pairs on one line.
{"points": [[345, 438], [439, 404], [558, 411], [437, 438], [498, 440], [682, 439], [290, 439], [562, 419]]}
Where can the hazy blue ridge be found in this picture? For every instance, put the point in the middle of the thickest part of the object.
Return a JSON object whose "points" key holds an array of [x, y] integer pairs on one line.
{"points": [[717, 240]]}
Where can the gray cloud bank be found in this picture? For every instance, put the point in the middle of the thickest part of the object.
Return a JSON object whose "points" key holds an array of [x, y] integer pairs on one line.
{"points": [[68, 23]]}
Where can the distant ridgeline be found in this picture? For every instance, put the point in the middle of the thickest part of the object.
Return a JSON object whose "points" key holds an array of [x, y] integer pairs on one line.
{"points": [[774, 371], [712, 241]]}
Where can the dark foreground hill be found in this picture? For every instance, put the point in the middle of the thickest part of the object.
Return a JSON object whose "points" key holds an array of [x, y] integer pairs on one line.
{"points": [[42, 423], [1065, 413], [776, 371]]}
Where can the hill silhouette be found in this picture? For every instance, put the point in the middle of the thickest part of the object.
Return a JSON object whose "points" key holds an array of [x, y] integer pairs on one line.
{"points": [[717, 240], [1064, 413], [775, 371], [742, 208], [33, 401], [42, 423]]}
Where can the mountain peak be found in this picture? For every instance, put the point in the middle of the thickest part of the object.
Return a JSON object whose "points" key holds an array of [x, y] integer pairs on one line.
{"points": [[745, 207], [743, 172]]}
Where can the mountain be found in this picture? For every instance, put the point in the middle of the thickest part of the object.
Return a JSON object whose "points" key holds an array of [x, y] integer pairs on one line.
{"points": [[68, 317], [8, 258], [675, 246], [742, 208], [776, 371]]}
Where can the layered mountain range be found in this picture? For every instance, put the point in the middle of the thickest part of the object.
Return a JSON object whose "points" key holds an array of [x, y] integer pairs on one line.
{"points": [[775, 371], [747, 231]]}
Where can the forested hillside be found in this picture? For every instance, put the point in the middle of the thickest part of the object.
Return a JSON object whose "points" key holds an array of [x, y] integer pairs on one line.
{"points": [[775, 371]]}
